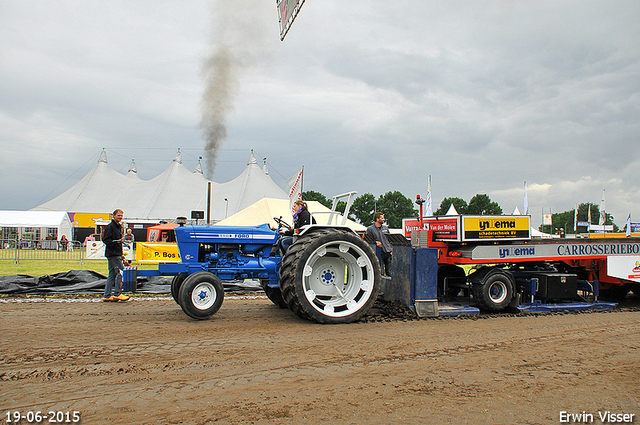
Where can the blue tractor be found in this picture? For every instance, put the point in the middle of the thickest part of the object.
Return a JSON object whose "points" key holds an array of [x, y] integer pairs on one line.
{"points": [[328, 275]]}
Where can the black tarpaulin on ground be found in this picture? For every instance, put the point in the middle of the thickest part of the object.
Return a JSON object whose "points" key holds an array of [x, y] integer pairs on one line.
{"points": [[90, 282]]}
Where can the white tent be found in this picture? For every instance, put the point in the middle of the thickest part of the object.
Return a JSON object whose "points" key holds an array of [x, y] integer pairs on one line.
{"points": [[452, 210], [252, 185], [535, 233], [133, 172], [174, 193], [94, 192], [265, 209], [41, 222]]}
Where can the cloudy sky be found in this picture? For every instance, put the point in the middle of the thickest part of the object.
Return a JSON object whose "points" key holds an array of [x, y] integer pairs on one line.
{"points": [[368, 95]]}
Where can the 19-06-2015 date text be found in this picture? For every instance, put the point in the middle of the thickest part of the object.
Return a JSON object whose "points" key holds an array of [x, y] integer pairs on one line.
{"points": [[36, 417]]}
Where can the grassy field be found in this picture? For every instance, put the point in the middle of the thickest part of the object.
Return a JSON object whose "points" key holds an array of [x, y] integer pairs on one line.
{"points": [[44, 267]]}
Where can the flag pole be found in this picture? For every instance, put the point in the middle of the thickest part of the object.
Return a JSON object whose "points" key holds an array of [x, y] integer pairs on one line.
{"points": [[526, 200]]}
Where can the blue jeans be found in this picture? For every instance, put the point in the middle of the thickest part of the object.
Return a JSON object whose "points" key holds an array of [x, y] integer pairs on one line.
{"points": [[114, 280], [285, 243]]}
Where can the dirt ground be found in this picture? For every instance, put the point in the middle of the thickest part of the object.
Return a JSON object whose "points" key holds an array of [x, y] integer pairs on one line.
{"points": [[146, 362]]}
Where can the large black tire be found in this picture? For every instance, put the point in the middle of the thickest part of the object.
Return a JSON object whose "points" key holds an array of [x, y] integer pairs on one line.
{"points": [[201, 295], [274, 294], [494, 292], [175, 286], [330, 276]]}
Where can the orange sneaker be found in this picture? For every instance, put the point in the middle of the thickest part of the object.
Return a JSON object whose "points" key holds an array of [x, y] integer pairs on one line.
{"points": [[121, 297], [110, 299]]}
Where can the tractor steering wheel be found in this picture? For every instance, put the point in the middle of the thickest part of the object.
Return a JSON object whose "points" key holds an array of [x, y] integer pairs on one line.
{"points": [[282, 223]]}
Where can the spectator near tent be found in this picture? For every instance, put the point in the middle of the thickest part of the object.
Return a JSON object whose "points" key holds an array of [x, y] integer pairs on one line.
{"points": [[64, 243], [128, 237]]}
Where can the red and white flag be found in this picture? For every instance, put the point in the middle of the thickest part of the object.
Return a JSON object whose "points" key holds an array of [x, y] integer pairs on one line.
{"points": [[295, 191]]}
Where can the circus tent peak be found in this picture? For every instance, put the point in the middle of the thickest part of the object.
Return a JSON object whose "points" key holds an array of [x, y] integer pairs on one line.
{"points": [[175, 192]]}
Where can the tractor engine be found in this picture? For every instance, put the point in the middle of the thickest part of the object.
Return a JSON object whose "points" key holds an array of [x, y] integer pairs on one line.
{"points": [[229, 252]]}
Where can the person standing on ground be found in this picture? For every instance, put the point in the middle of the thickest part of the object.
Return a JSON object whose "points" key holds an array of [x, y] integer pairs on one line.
{"points": [[379, 235], [112, 239], [129, 240], [64, 242]]}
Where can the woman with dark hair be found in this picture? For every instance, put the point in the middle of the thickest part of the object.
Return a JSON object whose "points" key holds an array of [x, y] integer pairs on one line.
{"points": [[301, 217]]}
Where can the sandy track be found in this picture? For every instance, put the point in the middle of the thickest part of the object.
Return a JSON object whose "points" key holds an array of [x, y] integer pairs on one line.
{"points": [[147, 362]]}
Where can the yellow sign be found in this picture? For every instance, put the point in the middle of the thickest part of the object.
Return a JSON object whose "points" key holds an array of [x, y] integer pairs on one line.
{"points": [[157, 252], [496, 227], [88, 219]]}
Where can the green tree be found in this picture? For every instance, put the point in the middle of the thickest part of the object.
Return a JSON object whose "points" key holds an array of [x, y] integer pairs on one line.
{"points": [[563, 220], [312, 195], [363, 209], [609, 220], [583, 215], [482, 205], [459, 203], [395, 206], [583, 212]]}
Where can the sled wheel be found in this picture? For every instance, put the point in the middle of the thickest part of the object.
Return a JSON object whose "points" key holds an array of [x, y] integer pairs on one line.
{"points": [[201, 295], [330, 276], [494, 293], [274, 294], [175, 286]]}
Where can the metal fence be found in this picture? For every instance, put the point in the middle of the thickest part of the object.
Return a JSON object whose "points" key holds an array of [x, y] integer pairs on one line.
{"points": [[26, 249]]}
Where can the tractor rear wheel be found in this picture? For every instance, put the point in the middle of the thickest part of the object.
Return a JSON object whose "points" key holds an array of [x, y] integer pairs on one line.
{"points": [[201, 295], [330, 276]]}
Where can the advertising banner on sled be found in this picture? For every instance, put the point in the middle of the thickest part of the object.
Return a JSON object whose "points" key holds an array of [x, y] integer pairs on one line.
{"points": [[502, 227], [157, 252], [95, 251]]}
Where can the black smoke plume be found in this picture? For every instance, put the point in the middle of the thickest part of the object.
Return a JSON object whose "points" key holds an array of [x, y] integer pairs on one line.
{"points": [[239, 41]]}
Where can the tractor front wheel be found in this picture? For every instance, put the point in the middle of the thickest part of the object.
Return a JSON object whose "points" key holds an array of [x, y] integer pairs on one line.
{"points": [[201, 295]]}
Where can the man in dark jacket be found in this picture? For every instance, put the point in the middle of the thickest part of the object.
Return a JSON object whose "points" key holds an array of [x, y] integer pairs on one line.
{"points": [[378, 233], [112, 239]]}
